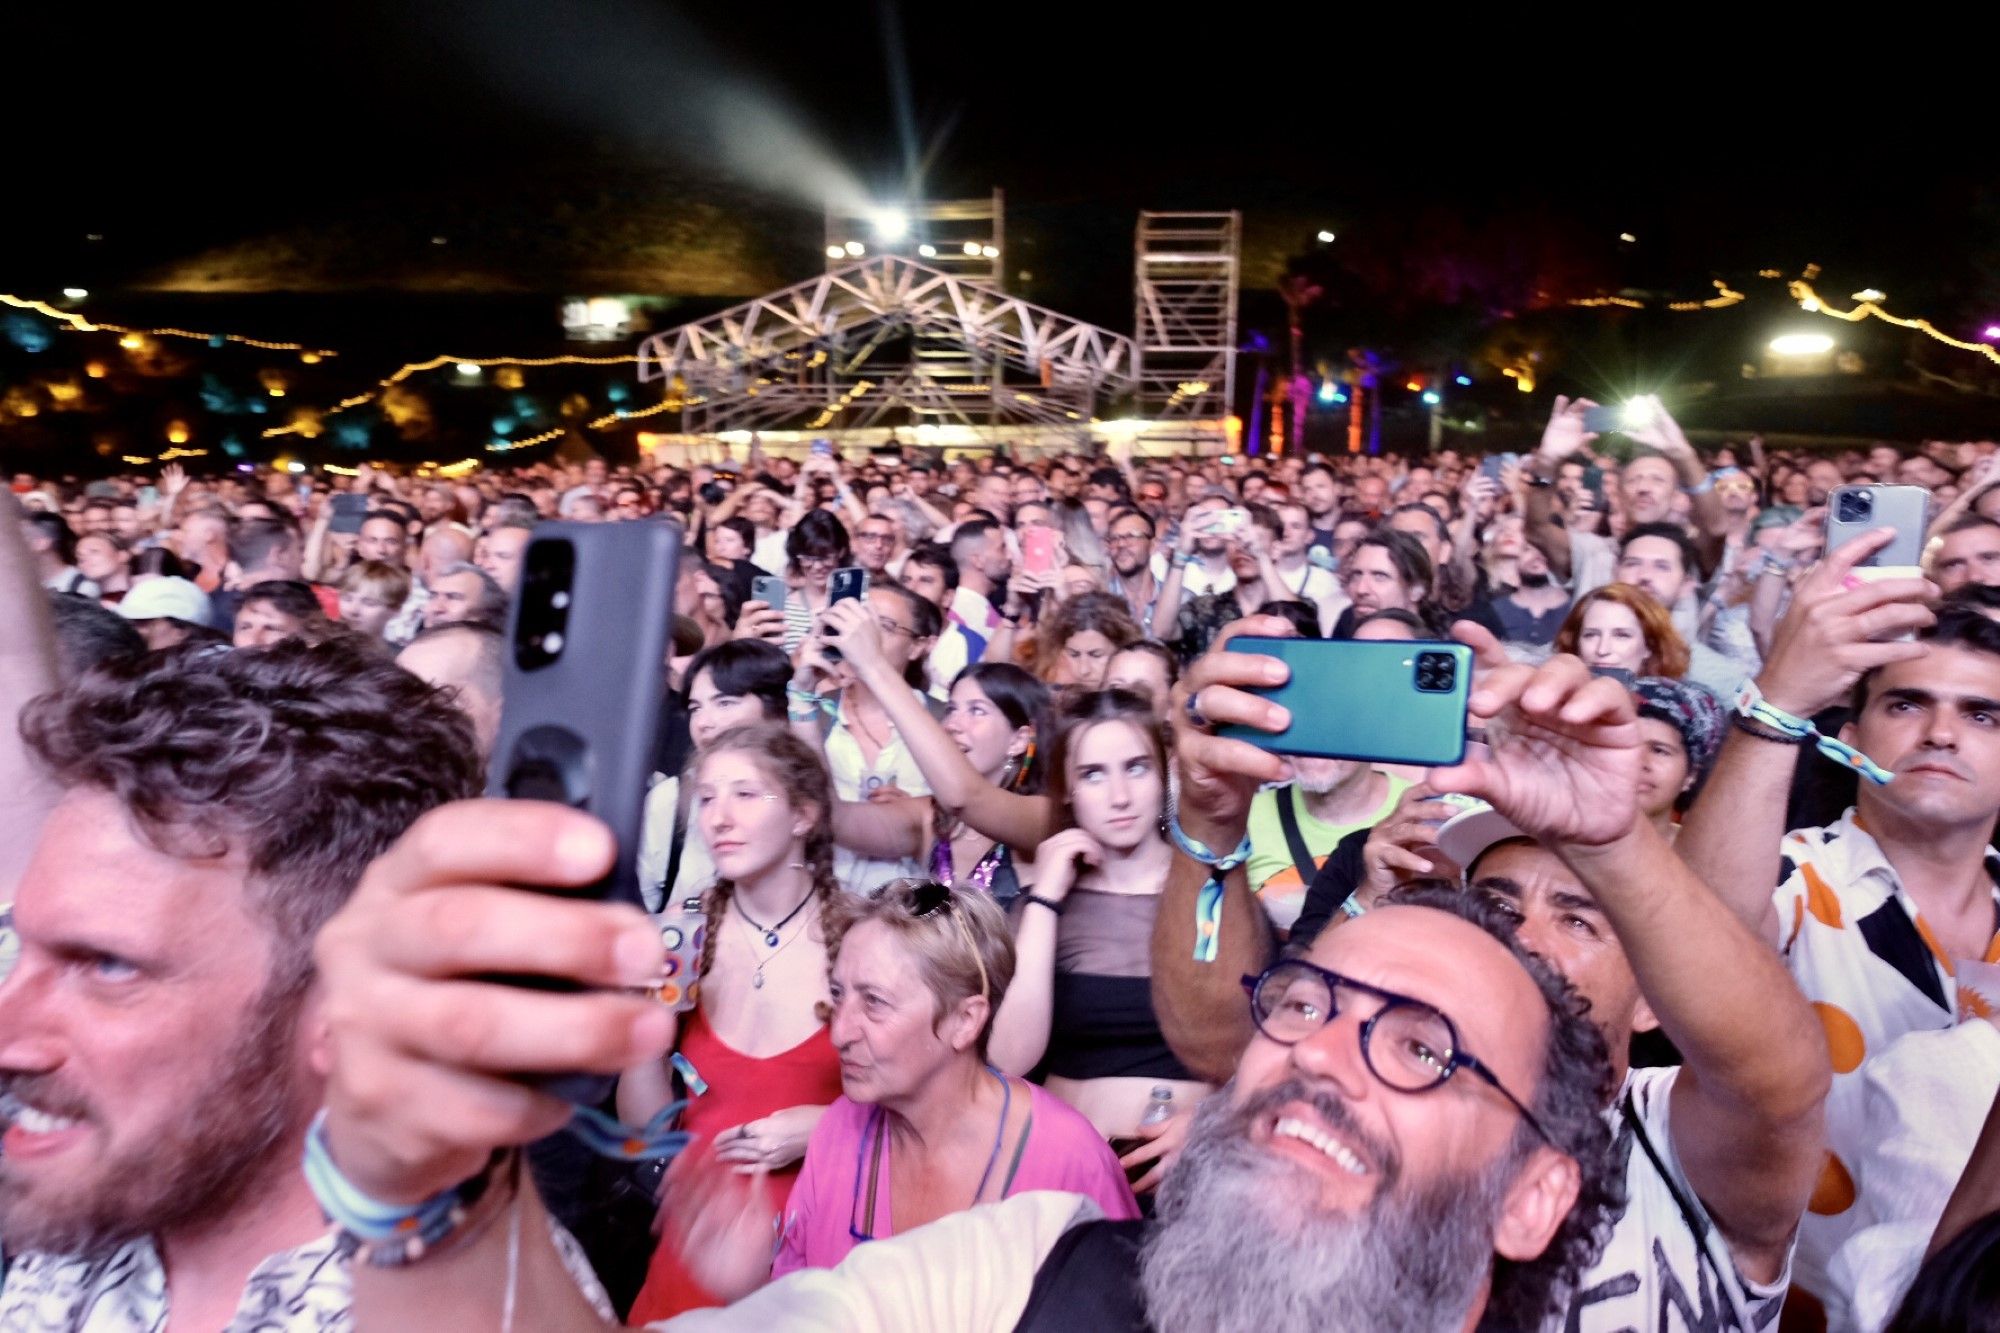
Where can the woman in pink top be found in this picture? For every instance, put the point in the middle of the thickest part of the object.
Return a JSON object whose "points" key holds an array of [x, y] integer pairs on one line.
{"points": [[926, 1126]]}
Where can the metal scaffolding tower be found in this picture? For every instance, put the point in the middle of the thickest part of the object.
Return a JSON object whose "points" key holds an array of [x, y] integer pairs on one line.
{"points": [[1185, 280], [847, 351]]}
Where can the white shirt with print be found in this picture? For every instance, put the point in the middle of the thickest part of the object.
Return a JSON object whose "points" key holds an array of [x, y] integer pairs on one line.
{"points": [[1664, 1269]]}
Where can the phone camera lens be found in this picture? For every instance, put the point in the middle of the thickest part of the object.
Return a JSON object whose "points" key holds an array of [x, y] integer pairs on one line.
{"points": [[1436, 673], [552, 644], [1856, 506]]}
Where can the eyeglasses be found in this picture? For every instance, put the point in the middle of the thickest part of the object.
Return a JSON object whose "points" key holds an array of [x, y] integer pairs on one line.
{"points": [[1128, 538], [1407, 1044], [874, 537], [891, 627]]}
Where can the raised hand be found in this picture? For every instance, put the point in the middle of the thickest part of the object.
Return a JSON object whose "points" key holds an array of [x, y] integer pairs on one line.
{"points": [[1399, 847], [1565, 434], [427, 1050], [1219, 775], [852, 628], [1839, 627], [1562, 752], [1057, 862]]}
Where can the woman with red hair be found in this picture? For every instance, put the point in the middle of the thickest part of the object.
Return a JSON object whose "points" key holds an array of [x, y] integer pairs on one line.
{"points": [[1619, 625]]}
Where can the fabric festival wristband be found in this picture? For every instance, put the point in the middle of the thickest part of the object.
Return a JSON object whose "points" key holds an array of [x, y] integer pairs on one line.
{"points": [[372, 1222], [1208, 905], [1750, 703]]}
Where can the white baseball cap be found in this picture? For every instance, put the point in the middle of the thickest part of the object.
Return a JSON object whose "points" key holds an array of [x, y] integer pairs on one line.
{"points": [[150, 599], [1467, 835]]}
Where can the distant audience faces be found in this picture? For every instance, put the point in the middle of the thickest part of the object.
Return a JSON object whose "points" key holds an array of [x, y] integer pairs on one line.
{"points": [[874, 544], [464, 592], [1080, 637], [1969, 553], [1623, 626], [276, 610], [1649, 484], [1661, 559], [371, 593], [1148, 668], [1387, 571], [383, 537], [500, 551], [930, 573]]}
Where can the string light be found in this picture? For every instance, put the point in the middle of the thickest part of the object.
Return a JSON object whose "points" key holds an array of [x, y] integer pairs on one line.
{"points": [[134, 338], [1813, 303], [461, 363], [1728, 296]]}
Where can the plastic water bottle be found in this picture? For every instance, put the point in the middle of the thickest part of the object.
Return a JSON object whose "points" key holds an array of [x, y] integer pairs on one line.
{"points": [[1159, 1110]]}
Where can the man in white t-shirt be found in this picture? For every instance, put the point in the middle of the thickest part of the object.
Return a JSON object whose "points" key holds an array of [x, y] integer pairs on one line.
{"points": [[1880, 914]]}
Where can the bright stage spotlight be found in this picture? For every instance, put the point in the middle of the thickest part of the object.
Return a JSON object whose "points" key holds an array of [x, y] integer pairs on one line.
{"points": [[891, 225]]}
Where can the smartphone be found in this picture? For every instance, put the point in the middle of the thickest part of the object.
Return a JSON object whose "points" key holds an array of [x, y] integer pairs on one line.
{"points": [[1603, 420], [1854, 510], [1225, 523], [846, 584], [1622, 675], [348, 511], [770, 590], [1388, 701], [1593, 481], [581, 692], [822, 448], [1038, 550]]}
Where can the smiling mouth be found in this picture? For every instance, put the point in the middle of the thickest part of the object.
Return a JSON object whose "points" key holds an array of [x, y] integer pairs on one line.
{"points": [[1313, 1136]]}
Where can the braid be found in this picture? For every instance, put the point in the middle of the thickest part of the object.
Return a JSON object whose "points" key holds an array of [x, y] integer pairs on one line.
{"points": [[714, 903]]}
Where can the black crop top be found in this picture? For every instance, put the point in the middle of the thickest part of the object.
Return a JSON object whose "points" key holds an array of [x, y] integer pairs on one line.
{"points": [[1101, 1016]]}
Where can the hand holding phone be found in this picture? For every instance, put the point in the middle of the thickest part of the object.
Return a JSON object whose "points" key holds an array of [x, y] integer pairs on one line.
{"points": [[1855, 510], [1388, 701], [582, 690]]}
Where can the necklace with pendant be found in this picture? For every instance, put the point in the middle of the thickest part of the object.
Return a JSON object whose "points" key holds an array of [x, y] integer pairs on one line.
{"points": [[772, 939]]}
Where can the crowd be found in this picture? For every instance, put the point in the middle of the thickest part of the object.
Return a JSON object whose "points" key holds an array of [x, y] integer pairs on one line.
{"points": [[1030, 997]]}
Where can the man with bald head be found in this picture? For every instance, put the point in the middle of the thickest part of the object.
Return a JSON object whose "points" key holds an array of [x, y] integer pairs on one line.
{"points": [[1720, 1155], [468, 661]]}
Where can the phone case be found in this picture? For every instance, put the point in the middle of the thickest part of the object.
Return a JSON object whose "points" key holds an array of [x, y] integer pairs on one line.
{"points": [[1038, 551], [1904, 508], [580, 727], [770, 590], [1363, 700], [846, 584]]}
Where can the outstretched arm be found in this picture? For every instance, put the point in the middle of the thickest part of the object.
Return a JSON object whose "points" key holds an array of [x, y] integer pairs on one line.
{"points": [[1829, 638], [27, 668], [1200, 1004], [1019, 821], [1563, 765]]}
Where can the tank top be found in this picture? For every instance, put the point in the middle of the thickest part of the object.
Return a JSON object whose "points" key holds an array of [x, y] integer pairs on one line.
{"points": [[1102, 1023], [741, 1088]]}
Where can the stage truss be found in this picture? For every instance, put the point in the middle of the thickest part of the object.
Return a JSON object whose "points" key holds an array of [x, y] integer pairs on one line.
{"points": [[1185, 281], [847, 350]]}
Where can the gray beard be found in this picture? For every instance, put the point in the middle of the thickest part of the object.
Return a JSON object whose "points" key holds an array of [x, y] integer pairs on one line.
{"points": [[1242, 1244], [197, 1169]]}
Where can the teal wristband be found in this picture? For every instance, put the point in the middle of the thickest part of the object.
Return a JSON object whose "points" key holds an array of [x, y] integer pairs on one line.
{"points": [[1751, 703]]}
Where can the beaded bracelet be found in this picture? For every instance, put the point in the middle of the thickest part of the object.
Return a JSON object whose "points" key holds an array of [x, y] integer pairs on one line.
{"points": [[1208, 905]]}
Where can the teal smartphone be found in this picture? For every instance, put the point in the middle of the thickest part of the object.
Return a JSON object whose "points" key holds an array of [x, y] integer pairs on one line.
{"points": [[1390, 701]]}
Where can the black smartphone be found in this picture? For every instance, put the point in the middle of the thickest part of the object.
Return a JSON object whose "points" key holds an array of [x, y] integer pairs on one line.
{"points": [[846, 585], [582, 689], [348, 511], [1387, 700], [1622, 675]]}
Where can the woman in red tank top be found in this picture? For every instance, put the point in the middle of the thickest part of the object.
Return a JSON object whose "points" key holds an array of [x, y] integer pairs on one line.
{"points": [[764, 803]]}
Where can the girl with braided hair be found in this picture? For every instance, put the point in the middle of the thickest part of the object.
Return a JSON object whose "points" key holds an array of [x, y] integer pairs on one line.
{"points": [[755, 1047]]}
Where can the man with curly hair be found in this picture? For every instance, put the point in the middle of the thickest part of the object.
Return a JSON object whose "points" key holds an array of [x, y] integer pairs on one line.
{"points": [[160, 1056]]}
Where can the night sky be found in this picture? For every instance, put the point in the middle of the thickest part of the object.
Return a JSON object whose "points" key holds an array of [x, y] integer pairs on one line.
{"points": [[1720, 147]]}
